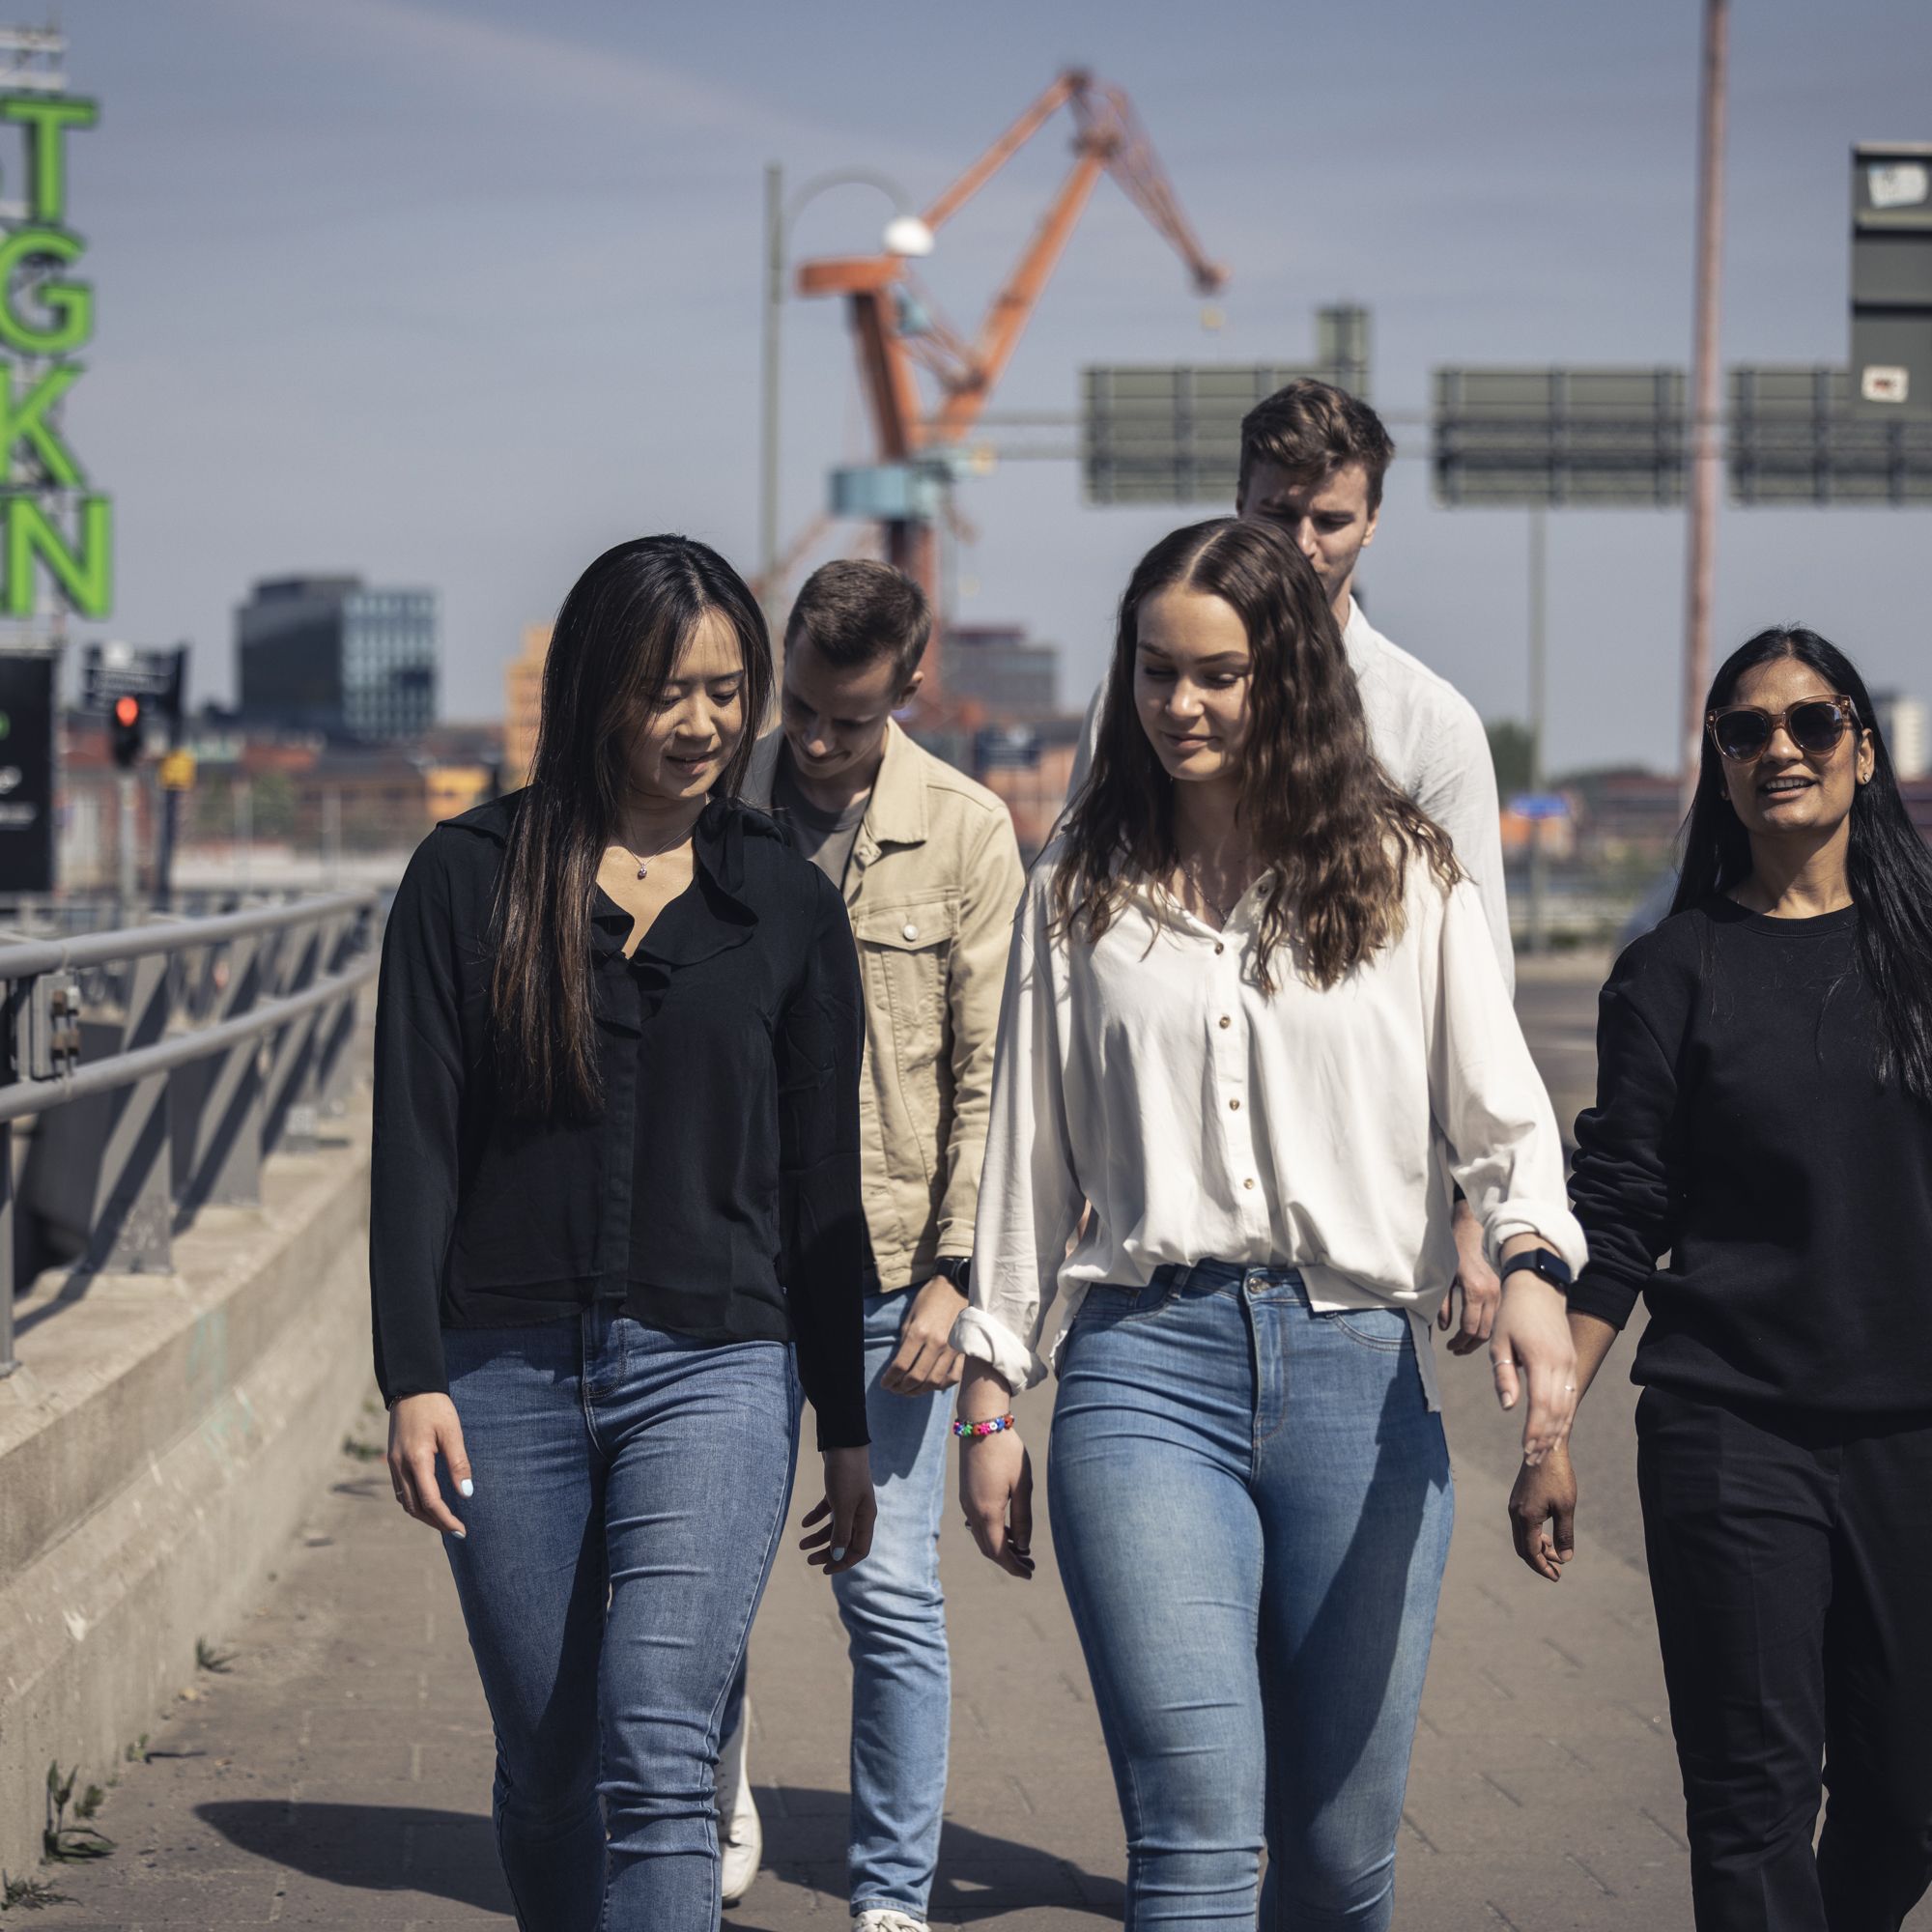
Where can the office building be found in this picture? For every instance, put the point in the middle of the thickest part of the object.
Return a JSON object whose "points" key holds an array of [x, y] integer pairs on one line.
{"points": [[332, 655]]}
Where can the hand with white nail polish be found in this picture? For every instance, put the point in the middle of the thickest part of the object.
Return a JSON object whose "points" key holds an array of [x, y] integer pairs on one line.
{"points": [[840, 1522], [421, 1429]]}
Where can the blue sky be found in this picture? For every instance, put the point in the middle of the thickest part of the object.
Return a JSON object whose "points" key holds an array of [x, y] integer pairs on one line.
{"points": [[457, 293]]}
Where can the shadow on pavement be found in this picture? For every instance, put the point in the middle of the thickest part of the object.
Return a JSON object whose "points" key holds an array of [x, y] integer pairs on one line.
{"points": [[447, 1855], [980, 1876], [452, 1854]]}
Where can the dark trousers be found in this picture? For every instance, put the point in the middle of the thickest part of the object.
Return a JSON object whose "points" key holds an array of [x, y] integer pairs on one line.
{"points": [[1791, 1566]]}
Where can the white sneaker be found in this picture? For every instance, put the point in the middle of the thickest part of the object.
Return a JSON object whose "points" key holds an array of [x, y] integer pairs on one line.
{"points": [[741, 1838], [887, 1918]]}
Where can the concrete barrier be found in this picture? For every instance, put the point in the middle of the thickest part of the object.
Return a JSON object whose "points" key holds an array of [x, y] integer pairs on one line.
{"points": [[160, 1442]]}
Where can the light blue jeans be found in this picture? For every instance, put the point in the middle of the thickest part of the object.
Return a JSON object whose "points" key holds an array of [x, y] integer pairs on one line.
{"points": [[1251, 1509], [896, 1625], [631, 1489]]}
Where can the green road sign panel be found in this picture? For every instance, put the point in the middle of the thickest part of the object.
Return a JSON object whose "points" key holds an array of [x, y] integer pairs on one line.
{"points": [[1171, 434], [1603, 437], [1795, 437]]}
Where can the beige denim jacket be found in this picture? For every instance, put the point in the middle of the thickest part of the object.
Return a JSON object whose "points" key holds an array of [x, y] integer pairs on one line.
{"points": [[932, 886]]}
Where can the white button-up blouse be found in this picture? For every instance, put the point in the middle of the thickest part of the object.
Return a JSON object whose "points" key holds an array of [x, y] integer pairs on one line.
{"points": [[1150, 1076]]}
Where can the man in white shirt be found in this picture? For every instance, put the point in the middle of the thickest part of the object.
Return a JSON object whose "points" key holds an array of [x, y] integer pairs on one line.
{"points": [[1313, 458]]}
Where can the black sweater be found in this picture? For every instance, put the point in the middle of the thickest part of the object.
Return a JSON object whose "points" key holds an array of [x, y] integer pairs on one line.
{"points": [[1740, 1126], [716, 1194]]}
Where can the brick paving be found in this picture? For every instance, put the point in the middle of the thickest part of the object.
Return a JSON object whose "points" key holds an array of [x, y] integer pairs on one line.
{"points": [[337, 1774]]}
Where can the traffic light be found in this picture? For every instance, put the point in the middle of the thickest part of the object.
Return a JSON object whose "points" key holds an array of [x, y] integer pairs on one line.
{"points": [[124, 731]]}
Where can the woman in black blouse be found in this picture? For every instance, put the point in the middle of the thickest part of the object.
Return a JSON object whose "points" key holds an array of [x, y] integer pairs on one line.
{"points": [[615, 1177], [1764, 1113]]}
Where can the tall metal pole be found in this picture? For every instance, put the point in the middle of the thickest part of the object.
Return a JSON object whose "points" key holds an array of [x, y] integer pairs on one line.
{"points": [[1539, 868], [768, 439], [125, 854], [1701, 561]]}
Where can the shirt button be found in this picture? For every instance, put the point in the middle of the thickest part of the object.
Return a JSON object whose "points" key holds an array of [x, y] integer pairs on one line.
{"points": [[1225, 1021], [1247, 1184], [1219, 948], [910, 930], [1233, 1106]]}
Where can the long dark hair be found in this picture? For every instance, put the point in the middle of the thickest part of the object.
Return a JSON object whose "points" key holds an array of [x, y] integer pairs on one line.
{"points": [[612, 653], [1889, 866], [1321, 815]]}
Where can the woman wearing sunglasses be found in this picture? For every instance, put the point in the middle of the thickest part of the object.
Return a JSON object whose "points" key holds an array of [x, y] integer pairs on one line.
{"points": [[1764, 1113]]}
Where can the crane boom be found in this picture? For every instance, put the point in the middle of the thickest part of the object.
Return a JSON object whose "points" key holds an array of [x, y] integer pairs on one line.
{"points": [[1004, 149], [1011, 309], [1135, 165], [896, 333]]}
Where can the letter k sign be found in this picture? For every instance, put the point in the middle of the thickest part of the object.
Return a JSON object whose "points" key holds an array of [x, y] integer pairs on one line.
{"points": [[27, 421]]}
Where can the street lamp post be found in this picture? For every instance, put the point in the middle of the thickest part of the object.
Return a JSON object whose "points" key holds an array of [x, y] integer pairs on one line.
{"points": [[1706, 453], [905, 235]]}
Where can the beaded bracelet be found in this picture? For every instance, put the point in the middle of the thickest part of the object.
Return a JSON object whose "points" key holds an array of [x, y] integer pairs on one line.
{"points": [[990, 1426]]}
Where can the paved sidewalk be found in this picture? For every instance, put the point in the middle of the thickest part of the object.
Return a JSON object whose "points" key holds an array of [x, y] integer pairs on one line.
{"points": [[337, 1773]]}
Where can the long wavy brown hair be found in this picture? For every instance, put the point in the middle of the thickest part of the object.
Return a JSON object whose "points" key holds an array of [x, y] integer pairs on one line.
{"points": [[612, 653], [1321, 813]]}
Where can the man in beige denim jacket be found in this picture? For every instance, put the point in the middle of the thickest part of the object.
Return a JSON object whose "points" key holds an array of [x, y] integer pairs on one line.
{"points": [[931, 875]]}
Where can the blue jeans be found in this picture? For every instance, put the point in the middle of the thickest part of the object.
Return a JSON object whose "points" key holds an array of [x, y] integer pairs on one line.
{"points": [[896, 1621], [631, 1489], [1251, 1509]]}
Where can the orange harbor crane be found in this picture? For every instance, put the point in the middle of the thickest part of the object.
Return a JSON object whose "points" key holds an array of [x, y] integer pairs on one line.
{"points": [[897, 329]]}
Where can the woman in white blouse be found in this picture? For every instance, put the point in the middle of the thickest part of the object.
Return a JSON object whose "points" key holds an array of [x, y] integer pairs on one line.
{"points": [[1254, 1034]]}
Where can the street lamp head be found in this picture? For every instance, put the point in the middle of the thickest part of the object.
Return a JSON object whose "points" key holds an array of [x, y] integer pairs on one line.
{"points": [[908, 235]]}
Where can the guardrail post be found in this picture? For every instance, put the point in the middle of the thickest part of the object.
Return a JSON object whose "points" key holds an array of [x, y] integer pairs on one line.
{"points": [[226, 1161], [335, 1029], [18, 998], [133, 1214], [7, 1362], [289, 1120]]}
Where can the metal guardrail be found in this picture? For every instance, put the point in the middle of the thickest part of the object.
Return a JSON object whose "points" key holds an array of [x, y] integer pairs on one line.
{"points": [[132, 1140]]}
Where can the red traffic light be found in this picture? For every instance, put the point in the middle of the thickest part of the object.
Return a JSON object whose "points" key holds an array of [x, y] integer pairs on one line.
{"points": [[124, 732]]}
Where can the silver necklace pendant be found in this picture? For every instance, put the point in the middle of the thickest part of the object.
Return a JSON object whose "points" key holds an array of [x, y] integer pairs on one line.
{"points": [[643, 866]]}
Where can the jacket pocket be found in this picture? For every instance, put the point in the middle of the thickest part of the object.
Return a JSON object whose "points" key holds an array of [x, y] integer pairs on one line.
{"points": [[905, 951]]}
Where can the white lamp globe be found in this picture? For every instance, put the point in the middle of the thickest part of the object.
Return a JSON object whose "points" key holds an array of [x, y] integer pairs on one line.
{"points": [[908, 235]]}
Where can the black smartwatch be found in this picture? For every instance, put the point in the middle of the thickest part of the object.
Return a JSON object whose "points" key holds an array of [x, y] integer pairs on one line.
{"points": [[1543, 1262], [957, 1270]]}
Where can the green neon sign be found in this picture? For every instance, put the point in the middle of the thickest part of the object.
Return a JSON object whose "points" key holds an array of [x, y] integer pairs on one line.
{"points": [[54, 529]]}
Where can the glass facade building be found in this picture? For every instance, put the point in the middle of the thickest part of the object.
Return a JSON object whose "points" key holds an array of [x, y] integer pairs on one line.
{"points": [[331, 654]]}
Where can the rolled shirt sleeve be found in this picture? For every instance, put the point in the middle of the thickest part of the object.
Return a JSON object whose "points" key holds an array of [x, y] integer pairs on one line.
{"points": [[1487, 1098]]}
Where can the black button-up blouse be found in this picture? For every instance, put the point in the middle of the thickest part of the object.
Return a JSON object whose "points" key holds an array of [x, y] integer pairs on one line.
{"points": [[716, 1194]]}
